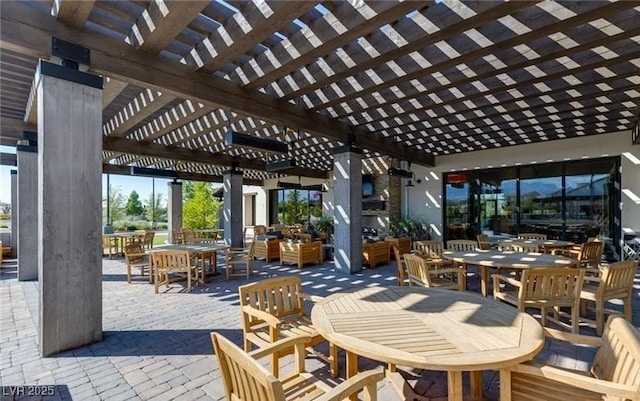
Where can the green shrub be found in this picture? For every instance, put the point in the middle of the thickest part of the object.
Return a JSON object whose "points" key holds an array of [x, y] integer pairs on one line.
{"points": [[5, 217]]}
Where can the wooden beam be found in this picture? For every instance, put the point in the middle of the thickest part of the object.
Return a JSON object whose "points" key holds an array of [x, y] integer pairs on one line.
{"points": [[123, 145], [419, 38], [250, 26], [112, 88], [73, 12], [161, 22], [182, 175], [11, 130], [8, 159], [26, 30], [299, 50], [594, 14], [178, 116]]}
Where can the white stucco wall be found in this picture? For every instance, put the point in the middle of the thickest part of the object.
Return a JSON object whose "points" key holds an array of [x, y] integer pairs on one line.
{"points": [[425, 200], [261, 205]]}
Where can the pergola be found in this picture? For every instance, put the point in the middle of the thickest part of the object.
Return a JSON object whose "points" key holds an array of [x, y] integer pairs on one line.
{"points": [[335, 83], [411, 80]]}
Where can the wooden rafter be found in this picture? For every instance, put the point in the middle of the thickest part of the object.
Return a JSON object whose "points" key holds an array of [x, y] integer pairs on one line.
{"points": [[26, 30], [321, 37], [74, 13], [182, 175], [251, 25]]}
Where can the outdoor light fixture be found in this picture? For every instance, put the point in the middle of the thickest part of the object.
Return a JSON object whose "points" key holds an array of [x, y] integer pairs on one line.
{"points": [[153, 172], [234, 138], [397, 172], [289, 185], [317, 187], [280, 165]]}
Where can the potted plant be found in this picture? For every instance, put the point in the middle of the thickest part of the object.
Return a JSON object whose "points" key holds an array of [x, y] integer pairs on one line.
{"points": [[415, 228], [325, 224]]}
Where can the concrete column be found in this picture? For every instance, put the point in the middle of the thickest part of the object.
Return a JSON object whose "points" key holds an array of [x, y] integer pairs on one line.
{"points": [[27, 235], [69, 207], [174, 205], [14, 213], [347, 215], [233, 208]]}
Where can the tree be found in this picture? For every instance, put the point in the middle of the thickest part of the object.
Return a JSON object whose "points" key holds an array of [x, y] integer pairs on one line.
{"points": [[116, 205], [201, 210], [188, 190], [133, 206], [295, 208], [157, 213]]}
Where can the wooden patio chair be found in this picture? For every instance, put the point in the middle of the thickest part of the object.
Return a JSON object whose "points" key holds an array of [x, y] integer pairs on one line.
{"points": [[515, 247], [614, 373], [259, 231], [165, 263], [375, 253], [274, 309], [483, 242], [245, 379], [423, 274], [401, 269], [432, 250], [135, 256], [588, 255], [462, 245], [109, 245], [148, 239], [177, 237], [615, 282], [543, 288], [239, 262], [188, 236], [533, 236]]}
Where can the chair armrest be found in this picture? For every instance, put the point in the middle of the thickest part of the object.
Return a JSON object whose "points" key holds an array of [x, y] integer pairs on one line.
{"points": [[509, 280], [367, 379], [257, 313], [571, 253], [311, 298], [448, 270], [280, 345], [576, 380], [572, 338]]}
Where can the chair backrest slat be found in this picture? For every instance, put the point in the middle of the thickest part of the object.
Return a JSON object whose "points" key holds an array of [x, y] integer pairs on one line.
{"points": [[462, 245], [533, 236], [431, 249], [279, 296], [556, 285], [617, 279], [618, 358], [483, 242], [417, 270]]}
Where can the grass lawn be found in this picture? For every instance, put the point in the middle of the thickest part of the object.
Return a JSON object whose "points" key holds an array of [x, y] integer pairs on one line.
{"points": [[160, 239]]}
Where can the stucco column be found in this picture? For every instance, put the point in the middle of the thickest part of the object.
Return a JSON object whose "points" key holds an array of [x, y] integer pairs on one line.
{"points": [[347, 199], [14, 213], [27, 229], [174, 205], [232, 213], [69, 239]]}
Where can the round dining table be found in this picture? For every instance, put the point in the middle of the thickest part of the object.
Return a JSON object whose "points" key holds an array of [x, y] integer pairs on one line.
{"points": [[428, 328], [543, 245], [485, 260]]}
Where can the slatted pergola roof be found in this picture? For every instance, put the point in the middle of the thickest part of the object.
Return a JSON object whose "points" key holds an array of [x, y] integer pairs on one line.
{"points": [[408, 80]]}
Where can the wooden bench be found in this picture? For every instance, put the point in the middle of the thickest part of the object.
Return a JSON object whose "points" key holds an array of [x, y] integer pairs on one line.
{"points": [[300, 253], [267, 249], [375, 253], [273, 309], [614, 373]]}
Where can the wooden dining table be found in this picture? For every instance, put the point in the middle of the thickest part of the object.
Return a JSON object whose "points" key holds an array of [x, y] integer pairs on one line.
{"points": [[544, 245], [428, 328], [485, 260]]}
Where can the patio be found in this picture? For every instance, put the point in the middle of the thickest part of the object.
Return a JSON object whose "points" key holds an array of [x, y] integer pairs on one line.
{"points": [[158, 347]]}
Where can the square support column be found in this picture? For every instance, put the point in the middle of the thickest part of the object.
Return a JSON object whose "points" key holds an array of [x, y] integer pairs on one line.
{"points": [[69, 207], [174, 205], [347, 214], [14, 213], [27, 230], [232, 213]]}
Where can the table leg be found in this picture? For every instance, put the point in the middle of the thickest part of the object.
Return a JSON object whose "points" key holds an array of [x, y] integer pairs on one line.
{"points": [[454, 385], [484, 280], [352, 370], [476, 384]]}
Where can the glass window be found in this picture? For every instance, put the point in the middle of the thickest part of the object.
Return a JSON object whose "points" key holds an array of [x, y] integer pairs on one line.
{"points": [[572, 200], [295, 206]]}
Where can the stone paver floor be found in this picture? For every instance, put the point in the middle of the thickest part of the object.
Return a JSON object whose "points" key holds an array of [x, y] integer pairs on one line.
{"points": [[157, 347]]}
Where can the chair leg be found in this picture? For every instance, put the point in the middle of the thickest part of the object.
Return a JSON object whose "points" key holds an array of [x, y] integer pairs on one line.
{"points": [[128, 273], [627, 307], [543, 316], [599, 317], [156, 280], [575, 319]]}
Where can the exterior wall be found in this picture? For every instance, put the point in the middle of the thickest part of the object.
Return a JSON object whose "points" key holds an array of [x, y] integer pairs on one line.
{"points": [[261, 205], [425, 200]]}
